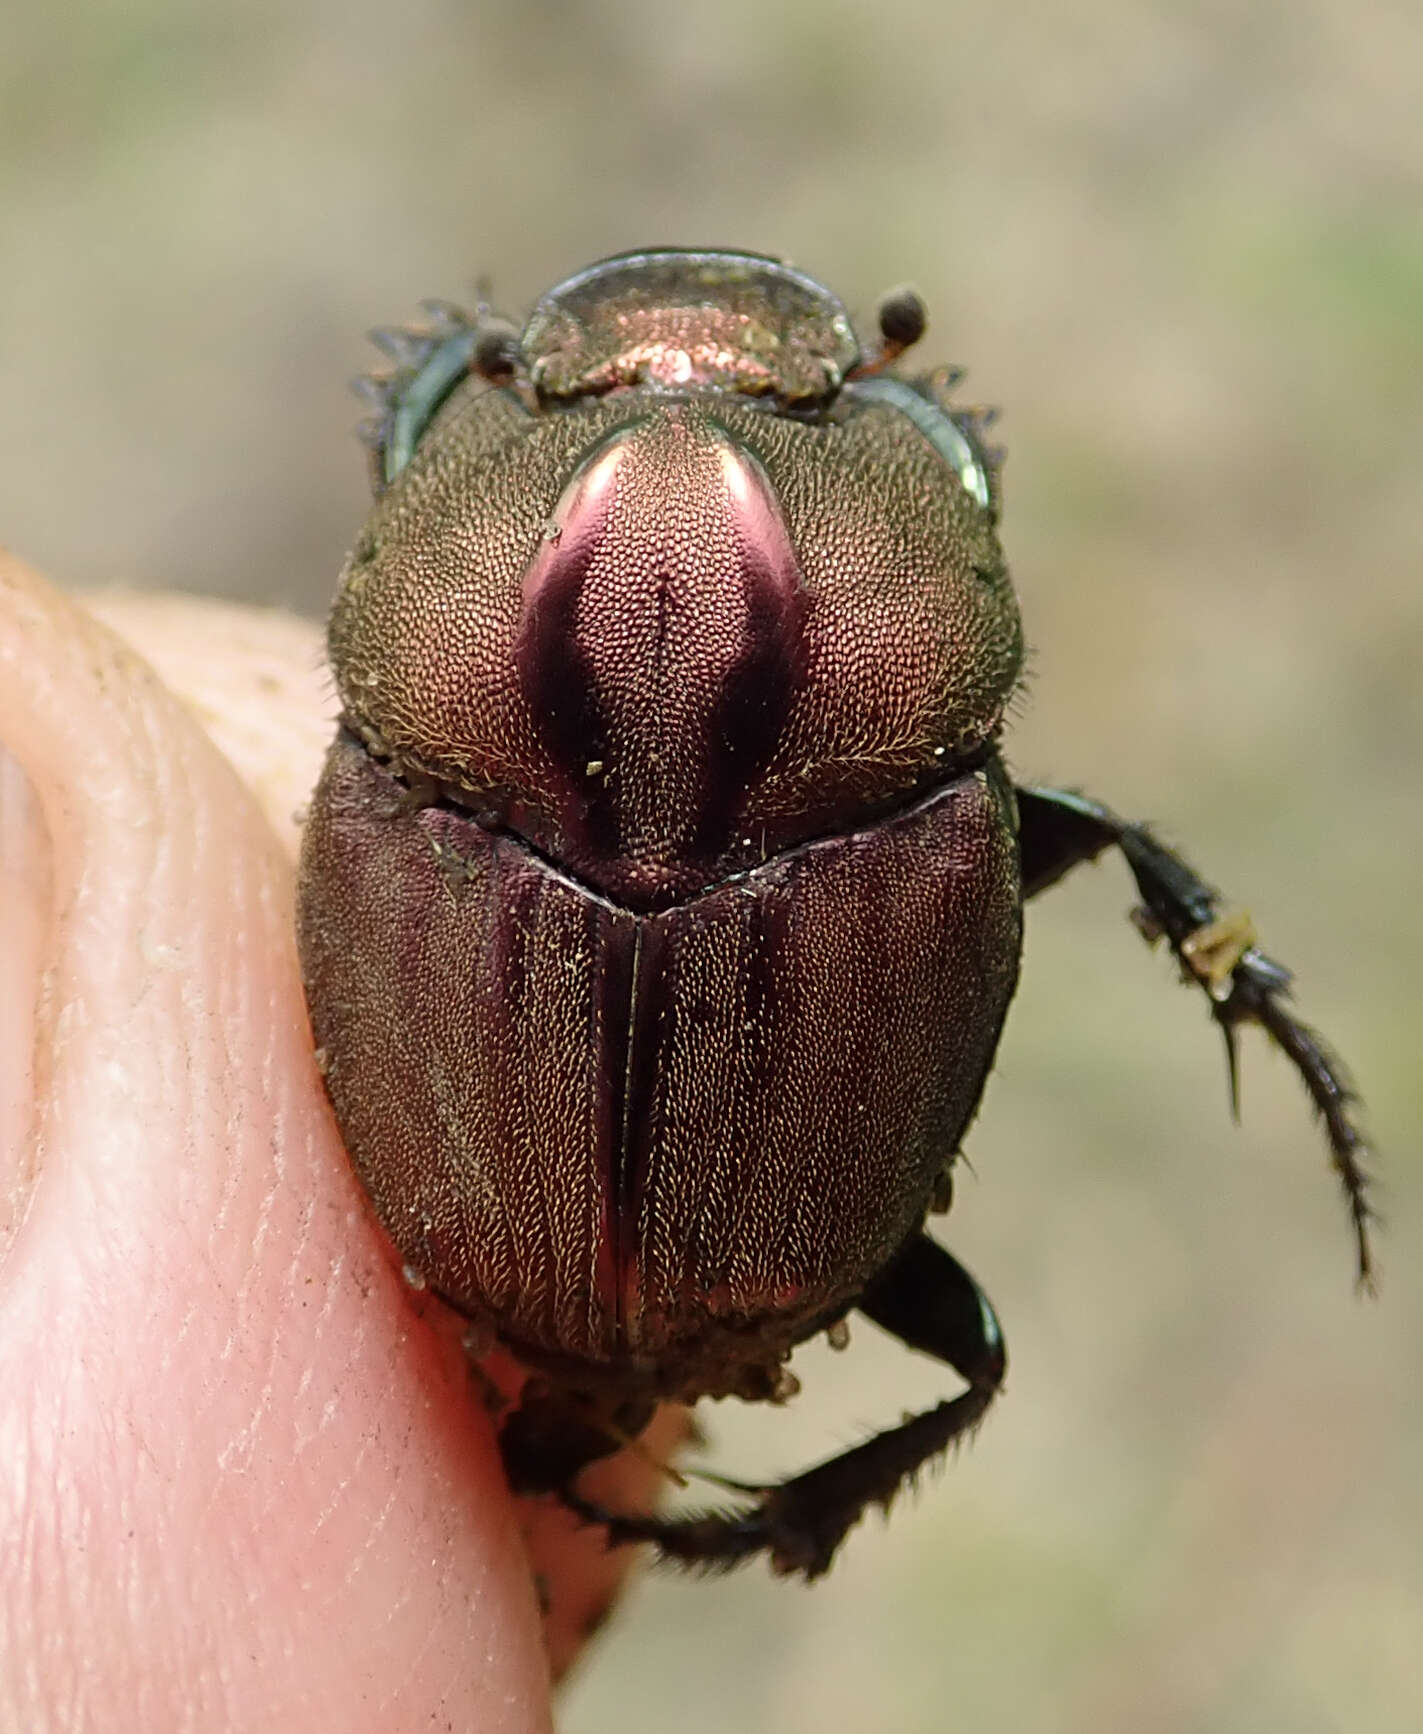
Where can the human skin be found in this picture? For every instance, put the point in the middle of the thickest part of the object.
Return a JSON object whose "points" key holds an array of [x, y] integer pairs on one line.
{"points": [[246, 1479]]}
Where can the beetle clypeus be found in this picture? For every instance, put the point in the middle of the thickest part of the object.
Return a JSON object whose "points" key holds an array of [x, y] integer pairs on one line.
{"points": [[661, 898]]}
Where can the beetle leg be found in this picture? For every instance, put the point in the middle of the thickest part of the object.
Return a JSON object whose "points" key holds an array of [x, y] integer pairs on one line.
{"points": [[553, 1434], [1216, 949], [928, 1300]]}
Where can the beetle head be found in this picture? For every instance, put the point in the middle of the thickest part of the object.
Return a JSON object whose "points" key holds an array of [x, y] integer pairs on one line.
{"points": [[673, 320]]}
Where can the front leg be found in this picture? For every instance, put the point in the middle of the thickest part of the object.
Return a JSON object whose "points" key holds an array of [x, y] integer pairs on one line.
{"points": [[928, 1300], [1216, 950]]}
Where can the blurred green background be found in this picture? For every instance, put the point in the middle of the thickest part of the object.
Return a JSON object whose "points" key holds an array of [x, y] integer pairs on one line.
{"points": [[1182, 244]]}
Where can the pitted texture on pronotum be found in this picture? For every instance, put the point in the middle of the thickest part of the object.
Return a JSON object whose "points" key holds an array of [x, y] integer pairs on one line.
{"points": [[661, 643], [665, 639], [631, 1138]]}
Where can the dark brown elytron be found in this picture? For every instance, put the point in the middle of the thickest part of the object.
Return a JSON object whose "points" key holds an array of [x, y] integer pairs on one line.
{"points": [[661, 898]]}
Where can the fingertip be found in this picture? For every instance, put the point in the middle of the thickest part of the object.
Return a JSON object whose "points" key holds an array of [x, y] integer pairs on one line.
{"points": [[255, 679]]}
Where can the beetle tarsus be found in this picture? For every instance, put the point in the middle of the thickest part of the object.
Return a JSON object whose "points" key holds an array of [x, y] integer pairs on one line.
{"points": [[1329, 1089], [1059, 829], [929, 1301]]}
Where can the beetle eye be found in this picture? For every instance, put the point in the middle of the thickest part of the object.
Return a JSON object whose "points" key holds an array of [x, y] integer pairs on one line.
{"points": [[948, 439]]}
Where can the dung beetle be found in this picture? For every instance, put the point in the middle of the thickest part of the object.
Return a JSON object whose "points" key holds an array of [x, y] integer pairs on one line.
{"points": [[661, 897]]}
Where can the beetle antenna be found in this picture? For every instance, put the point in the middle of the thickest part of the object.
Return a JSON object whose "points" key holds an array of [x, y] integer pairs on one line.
{"points": [[903, 320]]}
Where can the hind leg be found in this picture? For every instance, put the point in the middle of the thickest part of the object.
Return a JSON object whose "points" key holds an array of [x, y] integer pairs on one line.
{"points": [[930, 1302]]}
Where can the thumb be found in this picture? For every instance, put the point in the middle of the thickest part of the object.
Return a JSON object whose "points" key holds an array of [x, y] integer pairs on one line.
{"points": [[240, 1486]]}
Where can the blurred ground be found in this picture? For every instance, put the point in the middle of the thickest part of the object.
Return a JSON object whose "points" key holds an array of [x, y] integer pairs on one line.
{"points": [[1183, 246]]}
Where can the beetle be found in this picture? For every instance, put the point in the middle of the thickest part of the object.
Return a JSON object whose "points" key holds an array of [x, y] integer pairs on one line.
{"points": [[661, 898]]}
